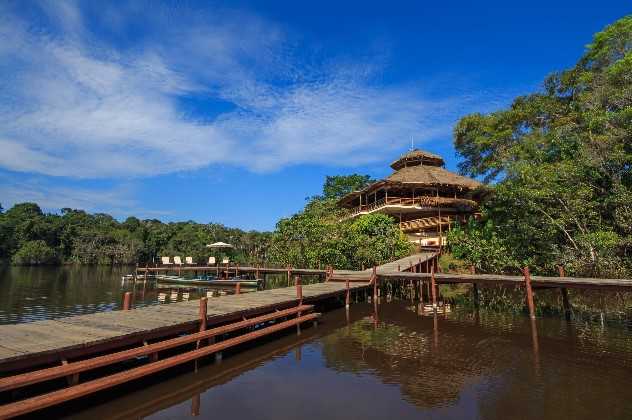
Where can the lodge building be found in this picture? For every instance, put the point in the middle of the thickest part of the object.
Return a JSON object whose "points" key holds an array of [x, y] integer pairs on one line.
{"points": [[423, 197]]}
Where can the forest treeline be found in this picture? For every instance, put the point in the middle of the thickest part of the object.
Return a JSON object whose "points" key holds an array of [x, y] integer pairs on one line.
{"points": [[30, 237], [313, 237]]}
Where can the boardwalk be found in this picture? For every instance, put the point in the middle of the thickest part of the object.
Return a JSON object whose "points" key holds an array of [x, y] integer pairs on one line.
{"points": [[51, 340]]}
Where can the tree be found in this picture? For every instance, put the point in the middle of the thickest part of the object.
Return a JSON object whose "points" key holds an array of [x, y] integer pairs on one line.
{"points": [[337, 187], [562, 162], [34, 253]]}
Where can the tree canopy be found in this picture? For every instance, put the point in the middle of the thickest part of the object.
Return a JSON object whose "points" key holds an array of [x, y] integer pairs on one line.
{"points": [[318, 235], [560, 165], [29, 237]]}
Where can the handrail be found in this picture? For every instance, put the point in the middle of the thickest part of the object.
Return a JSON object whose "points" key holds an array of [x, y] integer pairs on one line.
{"points": [[423, 201]]}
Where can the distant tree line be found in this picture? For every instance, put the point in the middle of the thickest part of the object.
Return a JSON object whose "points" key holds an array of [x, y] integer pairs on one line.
{"points": [[560, 166], [313, 237], [30, 237]]}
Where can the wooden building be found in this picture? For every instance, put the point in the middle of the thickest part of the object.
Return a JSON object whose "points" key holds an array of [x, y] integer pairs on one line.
{"points": [[423, 197]]}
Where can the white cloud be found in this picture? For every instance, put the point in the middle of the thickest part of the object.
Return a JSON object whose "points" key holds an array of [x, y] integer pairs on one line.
{"points": [[76, 106], [118, 201]]}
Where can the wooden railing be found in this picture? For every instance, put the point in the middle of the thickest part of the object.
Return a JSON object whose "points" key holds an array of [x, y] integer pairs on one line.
{"points": [[423, 201], [428, 222]]}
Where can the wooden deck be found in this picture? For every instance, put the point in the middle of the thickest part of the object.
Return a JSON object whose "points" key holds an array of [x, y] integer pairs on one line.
{"points": [[50, 341]]}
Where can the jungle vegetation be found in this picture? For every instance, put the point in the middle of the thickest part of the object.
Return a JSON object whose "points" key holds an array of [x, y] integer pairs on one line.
{"points": [[559, 164]]}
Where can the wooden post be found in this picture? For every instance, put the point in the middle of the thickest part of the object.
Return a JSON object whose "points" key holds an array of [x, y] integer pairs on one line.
{"points": [[238, 288], [421, 292], [299, 289], [257, 272], [289, 274], [568, 310], [202, 312], [127, 301], [399, 268], [474, 288], [374, 287], [433, 287], [347, 296], [527, 282]]}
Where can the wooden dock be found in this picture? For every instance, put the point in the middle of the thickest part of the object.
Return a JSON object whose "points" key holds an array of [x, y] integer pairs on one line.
{"points": [[41, 342]]}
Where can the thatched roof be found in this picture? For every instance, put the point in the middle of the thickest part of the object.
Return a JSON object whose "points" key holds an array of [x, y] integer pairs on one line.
{"points": [[417, 157], [431, 175], [417, 169]]}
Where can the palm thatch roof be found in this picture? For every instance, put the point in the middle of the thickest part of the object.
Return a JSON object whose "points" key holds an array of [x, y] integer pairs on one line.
{"points": [[431, 175], [417, 169], [417, 157]]}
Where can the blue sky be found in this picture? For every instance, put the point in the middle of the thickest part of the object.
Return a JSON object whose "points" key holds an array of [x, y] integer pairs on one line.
{"points": [[234, 112]]}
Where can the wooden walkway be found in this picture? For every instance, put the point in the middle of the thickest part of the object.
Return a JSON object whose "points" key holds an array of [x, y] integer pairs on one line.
{"points": [[50, 341]]}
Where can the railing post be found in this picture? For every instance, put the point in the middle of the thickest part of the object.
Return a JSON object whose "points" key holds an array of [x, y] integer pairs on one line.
{"points": [[433, 286], [375, 279], [299, 289], [127, 301], [527, 282], [347, 297], [238, 288]]}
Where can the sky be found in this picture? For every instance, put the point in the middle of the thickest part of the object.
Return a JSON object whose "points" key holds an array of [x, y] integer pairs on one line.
{"points": [[234, 112]]}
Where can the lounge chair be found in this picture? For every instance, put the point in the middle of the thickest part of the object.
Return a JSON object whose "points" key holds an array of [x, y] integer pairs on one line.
{"points": [[211, 260], [189, 260], [177, 260], [166, 261]]}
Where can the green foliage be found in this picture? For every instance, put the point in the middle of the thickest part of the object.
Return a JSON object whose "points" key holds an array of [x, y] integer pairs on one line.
{"points": [[28, 236], [316, 236], [337, 187], [34, 253], [481, 247], [562, 163]]}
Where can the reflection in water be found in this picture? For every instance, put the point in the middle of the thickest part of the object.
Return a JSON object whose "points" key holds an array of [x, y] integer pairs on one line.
{"points": [[36, 293], [402, 364]]}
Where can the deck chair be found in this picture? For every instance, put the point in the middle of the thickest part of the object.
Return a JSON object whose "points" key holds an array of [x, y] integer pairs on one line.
{"points": [[177, 260], [189, 260], [166, 261], [211, 260]]}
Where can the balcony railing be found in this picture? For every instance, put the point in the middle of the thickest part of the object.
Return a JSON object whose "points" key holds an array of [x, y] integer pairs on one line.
{"points": [[420, 202]]}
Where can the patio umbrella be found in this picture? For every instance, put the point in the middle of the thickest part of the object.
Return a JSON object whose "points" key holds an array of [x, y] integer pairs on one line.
{"points": [[219, 245]]}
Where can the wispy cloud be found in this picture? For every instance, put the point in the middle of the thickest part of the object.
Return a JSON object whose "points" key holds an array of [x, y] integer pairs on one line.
{"points": [[77, 105]]}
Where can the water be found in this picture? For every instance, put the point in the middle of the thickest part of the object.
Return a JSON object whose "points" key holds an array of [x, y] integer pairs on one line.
{"points": [[399, 364], [37, 293]]}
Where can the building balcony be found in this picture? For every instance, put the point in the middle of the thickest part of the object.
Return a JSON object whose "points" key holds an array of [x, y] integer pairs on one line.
{"points": [[395, 205]]}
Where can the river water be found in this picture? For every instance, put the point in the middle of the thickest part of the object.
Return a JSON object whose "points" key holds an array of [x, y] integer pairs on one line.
{"points": [[372, 362]]}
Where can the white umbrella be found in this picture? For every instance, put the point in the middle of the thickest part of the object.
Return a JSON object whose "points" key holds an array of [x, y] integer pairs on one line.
{"points": [[219, 245]]}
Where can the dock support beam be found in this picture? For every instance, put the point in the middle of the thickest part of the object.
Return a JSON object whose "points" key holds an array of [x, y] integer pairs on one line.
{"points": [[203, 313], [299, 290], [433, 289], [568, 309], [527, 282]]}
